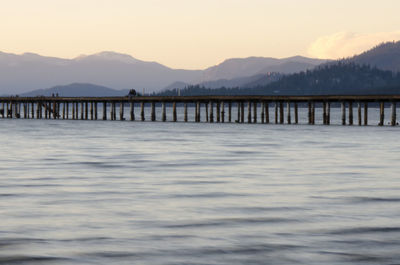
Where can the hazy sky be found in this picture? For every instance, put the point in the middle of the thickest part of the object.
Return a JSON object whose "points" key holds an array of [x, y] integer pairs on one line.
{"points": [[197, 33]]}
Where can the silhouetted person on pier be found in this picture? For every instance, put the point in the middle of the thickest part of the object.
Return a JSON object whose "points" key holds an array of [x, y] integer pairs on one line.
{"points": [[132, 93]]}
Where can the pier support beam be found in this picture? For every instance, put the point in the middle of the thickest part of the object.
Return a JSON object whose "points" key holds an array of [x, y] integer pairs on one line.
{"points": [[185, 112], [46, 111], [104, 110], [175, 118], [296, 113], [121, 111], [218, 111], [199, 112], [40, 108], [86, 110], [91, 111], [115, 111], [289, 118], [222, 111], [281, 113], [266, 112], [76, 110], [242, 112], [54, 109], [309, 113], [343, 113], [324, 119], [249, 112], [132, 111], [207, 116], [153, 111], [365, 113], [276, 112], [26, 110], [328, 113], [211, 112], [359, 113], [350, 113], [381, 114], [255, 112], [25, 116], [4, 111], [82, 111], [112, 111], [164, 112], [313, 113], [393, 120], [230, 111], [95, 110], [263, 112], [238, 112], [196, 109], [32, 110], [142, 111]]}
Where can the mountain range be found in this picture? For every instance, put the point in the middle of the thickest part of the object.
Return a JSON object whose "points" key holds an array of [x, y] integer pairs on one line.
{"points": [[113, 74], [23, 73]]}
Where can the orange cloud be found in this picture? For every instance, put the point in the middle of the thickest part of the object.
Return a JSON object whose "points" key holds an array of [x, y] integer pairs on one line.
{"points": [[346, 44]]}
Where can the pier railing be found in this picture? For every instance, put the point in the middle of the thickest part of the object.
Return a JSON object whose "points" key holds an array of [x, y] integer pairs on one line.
{"points": [[217, 108]]}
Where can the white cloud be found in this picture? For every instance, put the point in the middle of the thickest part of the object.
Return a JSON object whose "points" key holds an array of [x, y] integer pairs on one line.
{"points": [[345, 44]]}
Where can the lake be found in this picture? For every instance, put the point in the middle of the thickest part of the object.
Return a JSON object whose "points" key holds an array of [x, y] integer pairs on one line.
{"points": [[113, 192]]}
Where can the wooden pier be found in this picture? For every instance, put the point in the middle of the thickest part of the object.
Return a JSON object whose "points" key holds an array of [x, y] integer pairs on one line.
{"points": [[217, 109]]}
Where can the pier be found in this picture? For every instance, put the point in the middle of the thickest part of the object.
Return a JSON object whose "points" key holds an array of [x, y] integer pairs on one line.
{"points": [[217, 109]]}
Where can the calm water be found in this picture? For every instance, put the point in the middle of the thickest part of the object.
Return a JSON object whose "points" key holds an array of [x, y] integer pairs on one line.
{"points": [[84, 192]]}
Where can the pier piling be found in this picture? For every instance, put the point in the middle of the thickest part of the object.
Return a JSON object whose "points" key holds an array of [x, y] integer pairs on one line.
{"points": [[343, 113], [121, 111], [242, 112], [281, 113], [175, 118], [382, 114], [211, 112], [222, 112], [153, 111], [164, 112], [255, 112], [350, 113], [132, 111], [365, 113], [249, 112], [142, 111], [393, 120], [230, 111]]}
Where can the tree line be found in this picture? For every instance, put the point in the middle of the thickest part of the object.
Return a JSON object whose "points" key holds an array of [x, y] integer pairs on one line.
{"points": [[341, 77]]}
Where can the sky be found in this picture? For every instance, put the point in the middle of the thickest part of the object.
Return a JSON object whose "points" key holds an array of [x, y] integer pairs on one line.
{"points": [[195, 34]]}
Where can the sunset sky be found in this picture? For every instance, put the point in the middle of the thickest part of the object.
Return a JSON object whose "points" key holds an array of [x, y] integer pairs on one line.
{"points": [[195, 34]]}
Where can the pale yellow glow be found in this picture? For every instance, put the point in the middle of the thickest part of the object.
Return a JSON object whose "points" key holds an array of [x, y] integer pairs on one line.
{"points": [[188, 33], [343, 44]]}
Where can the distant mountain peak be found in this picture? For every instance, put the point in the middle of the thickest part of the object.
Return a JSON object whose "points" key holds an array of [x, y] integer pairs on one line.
{"points": [[385, 56], [110, 56]]}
